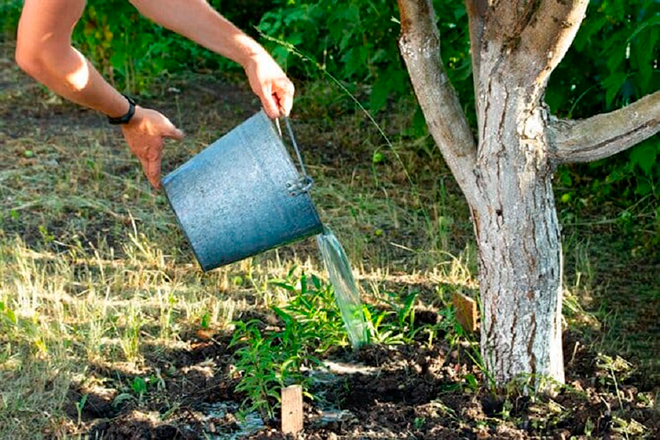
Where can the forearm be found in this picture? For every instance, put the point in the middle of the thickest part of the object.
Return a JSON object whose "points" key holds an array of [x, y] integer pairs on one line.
{"points": [[198, 21]]}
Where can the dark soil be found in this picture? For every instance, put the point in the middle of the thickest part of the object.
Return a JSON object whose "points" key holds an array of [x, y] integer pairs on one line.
{"points": [[414, 392]]}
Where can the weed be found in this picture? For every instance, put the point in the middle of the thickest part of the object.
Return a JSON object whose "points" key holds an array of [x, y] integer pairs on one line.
{"points": [[629, 428], [139, 387], [80, 405]]}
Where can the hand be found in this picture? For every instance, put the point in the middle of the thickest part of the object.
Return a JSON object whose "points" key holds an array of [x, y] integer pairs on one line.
{"points": [[270, 84], [144, 134]]}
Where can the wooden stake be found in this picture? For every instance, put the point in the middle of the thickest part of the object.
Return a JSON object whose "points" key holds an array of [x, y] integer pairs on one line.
{"points": [[292, 409], [466, 311]]}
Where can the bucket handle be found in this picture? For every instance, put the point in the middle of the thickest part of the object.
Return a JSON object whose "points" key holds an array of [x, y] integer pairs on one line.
{"points": [[305, 182]]}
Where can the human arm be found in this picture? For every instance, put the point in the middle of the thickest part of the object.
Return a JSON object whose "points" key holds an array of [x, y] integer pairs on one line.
{"points": [[198, 21], [44, 51]]}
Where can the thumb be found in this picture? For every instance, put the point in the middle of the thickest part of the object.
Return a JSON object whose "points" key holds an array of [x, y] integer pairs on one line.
{"points": [[286, 102], [152, 171], [173, 133]]}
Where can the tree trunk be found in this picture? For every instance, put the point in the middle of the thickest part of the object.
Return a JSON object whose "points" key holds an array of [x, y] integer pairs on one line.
{"points": [[506, 175], [518, 242]]}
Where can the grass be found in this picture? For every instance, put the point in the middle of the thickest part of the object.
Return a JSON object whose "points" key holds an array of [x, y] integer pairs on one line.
{"points": [[94, 273]]}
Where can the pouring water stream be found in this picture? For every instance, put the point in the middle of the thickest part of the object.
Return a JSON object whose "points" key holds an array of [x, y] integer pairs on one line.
{"points": [[346, 292]]}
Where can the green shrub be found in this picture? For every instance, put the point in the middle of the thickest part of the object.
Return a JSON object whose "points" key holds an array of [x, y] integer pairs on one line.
{"points": [[10, 10], [356, 42]]}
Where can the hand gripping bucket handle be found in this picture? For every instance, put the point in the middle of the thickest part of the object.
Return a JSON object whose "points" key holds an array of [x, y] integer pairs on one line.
{"points": [[304, 184], [243, 195]]}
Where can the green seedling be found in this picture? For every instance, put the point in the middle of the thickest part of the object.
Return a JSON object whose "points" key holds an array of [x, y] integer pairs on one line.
{"points": [[79, 407]]}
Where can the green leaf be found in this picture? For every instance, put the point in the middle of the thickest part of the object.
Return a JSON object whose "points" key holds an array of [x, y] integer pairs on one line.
{"points": [[643, 188], [120, 399], [587, 30], [282, 314], [282, 285], [644, 156], [11, 315], [612, 85], [303, 284], [376, 158], [139, 385], [615, 58], [205, 321], [653, 21], [644, 52], [355, 60], [316, 282], [380, 92]]}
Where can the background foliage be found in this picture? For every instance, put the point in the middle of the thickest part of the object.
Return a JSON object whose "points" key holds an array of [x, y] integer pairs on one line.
{"points": [[614, 61]]}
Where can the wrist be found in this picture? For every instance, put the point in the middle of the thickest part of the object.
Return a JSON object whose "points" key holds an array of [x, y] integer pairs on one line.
{"points": [[250, 52], [127, 116]]}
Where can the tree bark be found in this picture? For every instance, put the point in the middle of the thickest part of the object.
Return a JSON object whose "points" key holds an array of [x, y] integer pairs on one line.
{"points": [[518, 241], [514, 216]]}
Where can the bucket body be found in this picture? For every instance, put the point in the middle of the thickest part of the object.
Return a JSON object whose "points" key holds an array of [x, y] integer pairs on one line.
{"points": [[233, 199]]}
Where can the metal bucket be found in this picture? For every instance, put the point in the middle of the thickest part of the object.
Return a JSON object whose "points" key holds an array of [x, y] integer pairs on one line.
{"points": [[242, 195]]}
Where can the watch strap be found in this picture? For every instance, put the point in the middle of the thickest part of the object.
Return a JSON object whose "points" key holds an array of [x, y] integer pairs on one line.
{"points": [[125, 119]]}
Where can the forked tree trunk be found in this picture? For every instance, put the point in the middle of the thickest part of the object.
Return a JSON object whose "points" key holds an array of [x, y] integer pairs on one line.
{"points": [[506, 174]]}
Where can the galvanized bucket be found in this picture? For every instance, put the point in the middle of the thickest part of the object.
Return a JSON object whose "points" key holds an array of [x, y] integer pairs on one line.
{"points": [[242, 195]]}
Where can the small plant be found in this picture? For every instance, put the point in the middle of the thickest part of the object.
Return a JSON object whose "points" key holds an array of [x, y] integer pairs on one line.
{"points": [[396, 325], [312, 313], [616, 369], [205, 321], [381, 332], [139, 387], [270, 360], [7, 314], [261, 366], [129, 340], [629, 427], [80, 405]]}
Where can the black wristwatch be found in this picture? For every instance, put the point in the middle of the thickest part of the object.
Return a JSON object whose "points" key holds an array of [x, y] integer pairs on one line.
{"points": [[129, 114]]}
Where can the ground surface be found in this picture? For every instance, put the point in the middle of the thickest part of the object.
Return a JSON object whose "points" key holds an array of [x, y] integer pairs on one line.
{"points": [[104, 291]]}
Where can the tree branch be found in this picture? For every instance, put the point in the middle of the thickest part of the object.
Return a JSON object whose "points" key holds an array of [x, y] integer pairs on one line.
{"points": [[476, 10], [551, 31], [536, 32], [420, 47], [606, 134]]}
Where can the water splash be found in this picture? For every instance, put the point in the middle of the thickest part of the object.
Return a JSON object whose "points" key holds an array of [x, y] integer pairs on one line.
{"points": [[346, 292]]}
